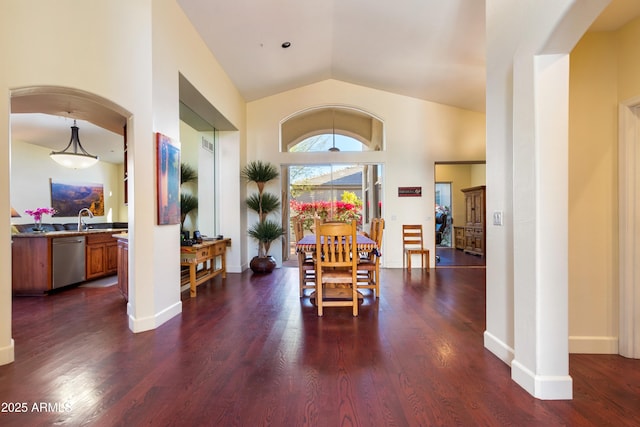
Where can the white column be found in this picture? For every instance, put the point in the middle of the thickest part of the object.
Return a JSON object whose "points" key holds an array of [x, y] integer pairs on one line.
{"points": [[540, 220]]}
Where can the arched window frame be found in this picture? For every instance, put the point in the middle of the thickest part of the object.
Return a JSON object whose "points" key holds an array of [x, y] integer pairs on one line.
{"points": [[352, 122]]}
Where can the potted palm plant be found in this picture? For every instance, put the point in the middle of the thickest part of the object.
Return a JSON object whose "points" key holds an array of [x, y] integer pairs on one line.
{"points": [[188, 201], [266, 230]]}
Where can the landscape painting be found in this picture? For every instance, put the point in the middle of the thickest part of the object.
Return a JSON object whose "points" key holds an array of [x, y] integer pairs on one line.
{"points": [[69, 198]]}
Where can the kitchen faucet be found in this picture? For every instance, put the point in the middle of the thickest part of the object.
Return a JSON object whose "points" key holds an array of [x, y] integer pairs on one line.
{"points": [[81, 223]]}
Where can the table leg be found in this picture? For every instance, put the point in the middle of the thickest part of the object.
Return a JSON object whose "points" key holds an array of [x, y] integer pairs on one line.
{"points": [[192, 280]]}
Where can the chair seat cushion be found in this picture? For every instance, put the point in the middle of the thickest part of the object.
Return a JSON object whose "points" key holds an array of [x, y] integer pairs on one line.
{"points": [[416, 251], [336, 276]]}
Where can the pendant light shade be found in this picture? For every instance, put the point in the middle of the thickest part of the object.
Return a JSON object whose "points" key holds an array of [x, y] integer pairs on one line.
{"points": [[333, 148], [74, 156]]}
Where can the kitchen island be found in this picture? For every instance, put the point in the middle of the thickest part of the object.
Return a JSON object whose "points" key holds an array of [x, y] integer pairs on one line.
{"points": [[37, 268]]}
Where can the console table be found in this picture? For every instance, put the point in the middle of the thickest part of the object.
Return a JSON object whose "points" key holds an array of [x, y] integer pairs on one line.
{"points": [[204, 253]]}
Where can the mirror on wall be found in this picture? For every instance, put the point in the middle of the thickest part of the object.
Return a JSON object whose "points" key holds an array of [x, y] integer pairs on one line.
{"points": [[201, 125]]}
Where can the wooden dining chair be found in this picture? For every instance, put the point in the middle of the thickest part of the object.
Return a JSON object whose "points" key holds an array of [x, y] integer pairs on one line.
{"points": [[413, 244], [306, 263], [369, 265], [336, 265]]}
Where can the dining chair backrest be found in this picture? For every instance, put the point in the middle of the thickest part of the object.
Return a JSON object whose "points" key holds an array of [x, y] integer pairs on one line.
{"points": [[412, 236], [298, 228], [337, 263], [379, 229], [373, 228], [336, 244], [306, 263], [375, 234], [369, 265]]}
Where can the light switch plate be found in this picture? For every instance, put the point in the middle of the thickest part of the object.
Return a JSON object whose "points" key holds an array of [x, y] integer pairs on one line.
{"points": [[497, 218]]}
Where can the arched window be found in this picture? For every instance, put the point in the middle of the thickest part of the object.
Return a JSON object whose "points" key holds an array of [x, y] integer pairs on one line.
{"points": [[331, 128], [328, 142], [337, 189]]}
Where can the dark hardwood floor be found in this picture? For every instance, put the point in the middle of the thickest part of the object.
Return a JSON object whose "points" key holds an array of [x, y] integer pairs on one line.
{"points": [[450, 257], [248, 352]]}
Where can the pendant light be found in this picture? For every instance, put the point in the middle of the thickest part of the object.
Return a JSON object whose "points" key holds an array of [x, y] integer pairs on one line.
{"points": [[74, 156], [333, 121]]}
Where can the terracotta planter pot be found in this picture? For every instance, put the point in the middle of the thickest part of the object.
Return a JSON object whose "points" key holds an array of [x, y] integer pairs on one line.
{"points": [[262, 265]]}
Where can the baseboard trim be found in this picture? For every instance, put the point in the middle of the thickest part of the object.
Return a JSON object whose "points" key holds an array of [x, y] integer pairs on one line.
{"points": [[152, 322], [498, 348], [593, 345], [7, 354], [544, 387]]}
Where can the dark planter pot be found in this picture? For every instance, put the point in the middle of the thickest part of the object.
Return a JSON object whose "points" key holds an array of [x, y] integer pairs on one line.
{"points": [[262, 265]]}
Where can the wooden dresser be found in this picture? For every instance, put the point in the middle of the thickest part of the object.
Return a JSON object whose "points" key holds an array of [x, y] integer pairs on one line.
{"points": [[458, 233], [475, 220]]}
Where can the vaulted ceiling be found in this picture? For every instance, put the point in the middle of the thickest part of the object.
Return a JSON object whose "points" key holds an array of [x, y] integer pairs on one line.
{"points": [[427, 49]]}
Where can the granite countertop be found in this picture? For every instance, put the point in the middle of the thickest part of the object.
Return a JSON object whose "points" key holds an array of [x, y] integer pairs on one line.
{"points": [[69, 233]]}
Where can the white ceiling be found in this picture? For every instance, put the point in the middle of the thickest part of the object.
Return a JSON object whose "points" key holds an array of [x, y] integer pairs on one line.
{"points": [[427, 49], [54, 132]]}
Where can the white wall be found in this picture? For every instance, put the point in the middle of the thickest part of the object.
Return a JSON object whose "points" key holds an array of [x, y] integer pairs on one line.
{"points": [[417, 134], [177, 48], [605, 71], [32, 169]]}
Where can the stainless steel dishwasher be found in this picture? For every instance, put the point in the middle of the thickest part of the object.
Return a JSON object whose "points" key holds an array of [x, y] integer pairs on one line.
{"points": [[68, 260]]}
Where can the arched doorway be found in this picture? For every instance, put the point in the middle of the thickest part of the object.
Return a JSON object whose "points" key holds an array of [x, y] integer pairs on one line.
{"points": [[73, 104]]}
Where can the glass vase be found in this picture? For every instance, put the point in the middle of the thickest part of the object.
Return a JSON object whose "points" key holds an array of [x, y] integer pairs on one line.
{"points": [[38, 226]]}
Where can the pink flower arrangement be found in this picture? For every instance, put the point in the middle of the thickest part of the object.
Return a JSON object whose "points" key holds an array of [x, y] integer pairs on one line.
{"points": [[37, 213], [336, 210]]}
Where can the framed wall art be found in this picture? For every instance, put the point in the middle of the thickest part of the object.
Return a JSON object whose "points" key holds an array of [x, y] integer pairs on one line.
{"points": [[168, 179], [68, 198]]}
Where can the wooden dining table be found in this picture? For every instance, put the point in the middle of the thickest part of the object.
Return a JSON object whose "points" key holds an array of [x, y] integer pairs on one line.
{"points": [[363, 243]]}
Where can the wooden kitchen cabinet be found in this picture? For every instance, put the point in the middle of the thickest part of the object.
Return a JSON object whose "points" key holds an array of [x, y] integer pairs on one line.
{"points": [[31, 265], [475, 220], [32, 259], [102, 255], [123, 266]]}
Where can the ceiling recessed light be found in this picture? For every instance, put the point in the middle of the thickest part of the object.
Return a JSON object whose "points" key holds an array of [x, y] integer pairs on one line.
{"points": [[286, 45]]}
